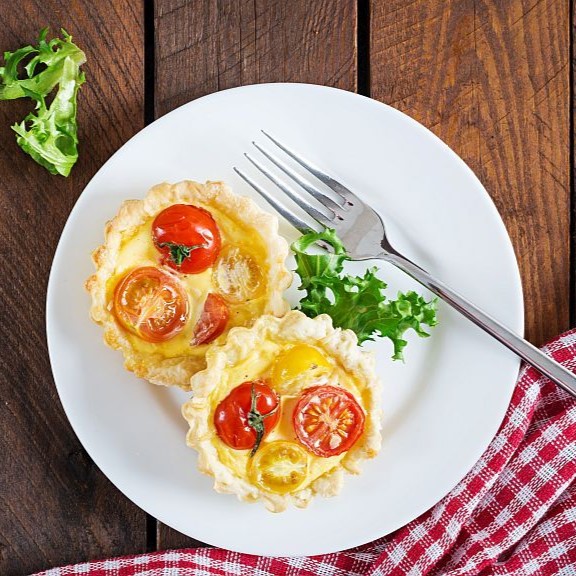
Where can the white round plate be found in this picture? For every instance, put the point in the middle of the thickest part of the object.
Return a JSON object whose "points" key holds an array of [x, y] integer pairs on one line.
{"points": [[441, 408]]}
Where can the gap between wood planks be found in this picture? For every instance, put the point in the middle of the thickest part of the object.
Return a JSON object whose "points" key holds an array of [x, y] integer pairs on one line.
{"points": [[149, 64], [363, 47]]}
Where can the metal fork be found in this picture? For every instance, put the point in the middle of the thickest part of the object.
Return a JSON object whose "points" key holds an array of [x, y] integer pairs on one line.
{"points": [[364, 235]]}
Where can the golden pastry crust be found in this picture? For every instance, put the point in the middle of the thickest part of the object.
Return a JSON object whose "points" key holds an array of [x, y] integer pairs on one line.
{"points": [[295, 327], [134, 214]]}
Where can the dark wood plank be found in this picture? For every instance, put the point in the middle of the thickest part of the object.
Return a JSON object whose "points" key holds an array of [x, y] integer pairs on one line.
{"points": [[491, 78], [208, 45], [57, 507]]}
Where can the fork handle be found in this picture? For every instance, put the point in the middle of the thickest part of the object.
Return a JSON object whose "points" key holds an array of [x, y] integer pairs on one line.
{"points": [[545, 365]]}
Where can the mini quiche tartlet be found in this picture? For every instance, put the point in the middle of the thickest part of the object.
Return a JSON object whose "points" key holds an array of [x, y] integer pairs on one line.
{"points": [[178, 270], [283, 409]]}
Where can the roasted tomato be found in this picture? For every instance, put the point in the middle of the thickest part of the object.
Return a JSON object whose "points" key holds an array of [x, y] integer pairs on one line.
{"points": [[188, 238], [328, 420], [247, 415], [212, 321], [297, 361], [237, 275], [279, 467], [151, 303]]}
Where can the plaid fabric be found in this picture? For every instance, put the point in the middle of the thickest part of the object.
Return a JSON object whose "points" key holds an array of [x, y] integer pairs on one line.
{"points": [[513, 514]]}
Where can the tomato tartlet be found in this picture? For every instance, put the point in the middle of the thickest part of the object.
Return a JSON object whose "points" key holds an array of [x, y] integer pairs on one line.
{"points": [[178, 270], [283, 409]]}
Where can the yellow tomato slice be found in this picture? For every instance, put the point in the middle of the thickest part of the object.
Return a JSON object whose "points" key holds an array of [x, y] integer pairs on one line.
{"points": [[279, 467], [298, 362], [237, 275]]}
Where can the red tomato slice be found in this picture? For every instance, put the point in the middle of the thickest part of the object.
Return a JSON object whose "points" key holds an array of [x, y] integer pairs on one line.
{"points": [[231, 415], [188, 238], [328, 420], [212, 321], [151, 304]]}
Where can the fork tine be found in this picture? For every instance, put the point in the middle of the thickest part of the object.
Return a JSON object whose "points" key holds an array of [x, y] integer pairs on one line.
{"points": [[299, 224], [320, 196], [334, 185], [310, 210]]}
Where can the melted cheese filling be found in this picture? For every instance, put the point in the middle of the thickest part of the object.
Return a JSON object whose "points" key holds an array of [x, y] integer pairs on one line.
{"points": [[137, 249], [259, 365]]}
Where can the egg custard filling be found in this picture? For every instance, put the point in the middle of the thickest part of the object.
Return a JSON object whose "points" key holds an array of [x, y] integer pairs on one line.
{"points": [[178, 270], [283, 409]]}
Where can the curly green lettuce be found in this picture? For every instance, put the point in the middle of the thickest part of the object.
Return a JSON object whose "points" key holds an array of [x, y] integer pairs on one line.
{"points": [[50, 134], [357, 303]]}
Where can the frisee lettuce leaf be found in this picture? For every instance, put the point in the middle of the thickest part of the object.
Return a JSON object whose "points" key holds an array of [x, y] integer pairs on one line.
{"points": [[357, 302], [49, 134]]}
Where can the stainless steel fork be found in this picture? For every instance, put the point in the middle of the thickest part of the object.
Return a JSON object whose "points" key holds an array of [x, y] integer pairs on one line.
{"points": [[364, 235]]}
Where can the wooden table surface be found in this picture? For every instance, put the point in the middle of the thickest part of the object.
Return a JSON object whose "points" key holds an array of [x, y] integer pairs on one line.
{"points": [[492, 78]]}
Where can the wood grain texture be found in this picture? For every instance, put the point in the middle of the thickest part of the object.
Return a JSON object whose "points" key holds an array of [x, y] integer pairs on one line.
{"points": [[209, 45], [57, 507], [491, 78]]}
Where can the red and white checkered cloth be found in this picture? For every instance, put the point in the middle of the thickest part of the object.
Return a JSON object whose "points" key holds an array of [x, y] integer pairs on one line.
{"points": [[513, 514]]}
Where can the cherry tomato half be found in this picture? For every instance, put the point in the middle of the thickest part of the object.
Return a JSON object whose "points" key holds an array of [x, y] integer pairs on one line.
{"points": [[231, 418], [150, 303], [296, 362], [187, 237], [328, 420], [279, 467], [212, 321]]}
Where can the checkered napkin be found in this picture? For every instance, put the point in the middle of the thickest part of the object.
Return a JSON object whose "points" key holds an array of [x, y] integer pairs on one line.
{"points": [[513, 514]]}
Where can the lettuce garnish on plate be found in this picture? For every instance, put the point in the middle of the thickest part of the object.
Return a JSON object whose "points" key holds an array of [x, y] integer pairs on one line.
{"points": [[49, 134], [356, 302]]}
